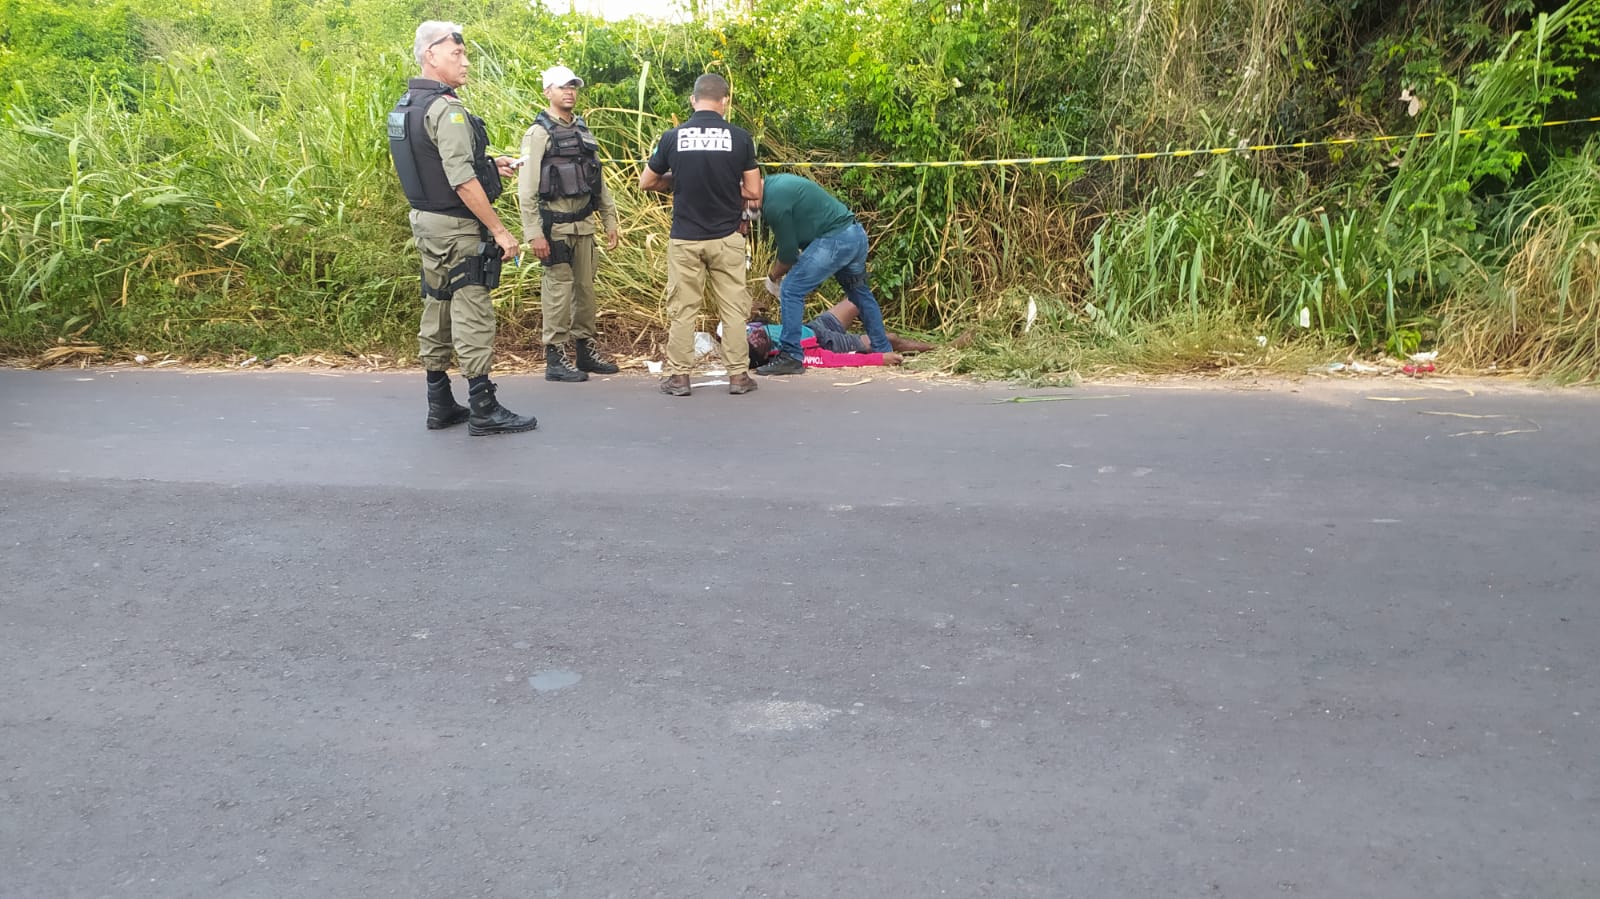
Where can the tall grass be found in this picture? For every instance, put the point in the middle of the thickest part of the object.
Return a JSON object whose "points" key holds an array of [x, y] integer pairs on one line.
{"points": [[1370, 258], [212, 218], [1543, 313], [244, 201], [229, 214]]}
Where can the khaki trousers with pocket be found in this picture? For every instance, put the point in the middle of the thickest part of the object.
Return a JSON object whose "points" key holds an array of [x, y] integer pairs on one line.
{"points": [[465, 322], [692, 265], [566, 293]]}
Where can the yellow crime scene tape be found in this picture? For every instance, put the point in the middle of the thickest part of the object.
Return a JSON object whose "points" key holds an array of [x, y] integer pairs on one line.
{"points": [[1159, 154]]}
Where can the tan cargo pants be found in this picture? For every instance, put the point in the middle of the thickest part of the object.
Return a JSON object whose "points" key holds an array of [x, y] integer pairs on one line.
{"points": [[566, 293], [690, 265], [464, 323]]}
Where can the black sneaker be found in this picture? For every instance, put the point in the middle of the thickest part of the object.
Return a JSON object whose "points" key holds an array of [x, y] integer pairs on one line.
{"points": [[783, 365]]}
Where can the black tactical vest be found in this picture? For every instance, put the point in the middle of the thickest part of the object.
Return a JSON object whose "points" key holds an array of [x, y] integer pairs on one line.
{"points": [[416, 156], [571, 164]]}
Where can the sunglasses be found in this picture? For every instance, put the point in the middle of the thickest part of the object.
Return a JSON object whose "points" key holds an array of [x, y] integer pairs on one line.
{"points": [[454, 35]]}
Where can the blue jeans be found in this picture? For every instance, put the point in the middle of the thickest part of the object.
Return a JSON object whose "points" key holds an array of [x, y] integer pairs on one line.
{"points": [[832, 336], [842, 256]]}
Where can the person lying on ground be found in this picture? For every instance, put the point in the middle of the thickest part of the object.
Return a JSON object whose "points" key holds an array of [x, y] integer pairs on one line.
{"points": [[826, 341]]}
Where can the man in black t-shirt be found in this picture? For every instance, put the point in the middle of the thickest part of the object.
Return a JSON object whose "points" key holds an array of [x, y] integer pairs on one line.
{"points": [[709, 166]]}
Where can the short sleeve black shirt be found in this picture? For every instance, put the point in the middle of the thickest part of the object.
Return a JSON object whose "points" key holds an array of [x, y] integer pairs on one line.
{"points": [[707, 158]]}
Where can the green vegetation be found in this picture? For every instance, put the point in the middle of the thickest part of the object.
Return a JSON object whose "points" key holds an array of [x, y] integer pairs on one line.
{"points": [[209, 179]]}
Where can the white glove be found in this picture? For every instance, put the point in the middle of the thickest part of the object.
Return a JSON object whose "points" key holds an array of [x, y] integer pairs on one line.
{"points": [[770, 285]]}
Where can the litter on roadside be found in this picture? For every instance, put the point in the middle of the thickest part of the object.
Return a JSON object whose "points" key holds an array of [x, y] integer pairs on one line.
{"points": [[1360, 368], [1415, 366]]}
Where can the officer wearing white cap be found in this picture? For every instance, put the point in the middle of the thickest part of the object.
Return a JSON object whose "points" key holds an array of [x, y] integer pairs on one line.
{"points": [[559, 198]]}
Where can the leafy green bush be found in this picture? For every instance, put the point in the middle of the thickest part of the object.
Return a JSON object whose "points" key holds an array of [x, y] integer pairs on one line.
{"points": [[55, 55], [206, 178]]}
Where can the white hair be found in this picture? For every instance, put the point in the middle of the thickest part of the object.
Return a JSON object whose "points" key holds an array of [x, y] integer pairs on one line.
{"points": [[428, 33]]}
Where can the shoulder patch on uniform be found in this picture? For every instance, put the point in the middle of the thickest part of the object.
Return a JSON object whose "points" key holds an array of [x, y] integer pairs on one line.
{"points": [[457, 118]]}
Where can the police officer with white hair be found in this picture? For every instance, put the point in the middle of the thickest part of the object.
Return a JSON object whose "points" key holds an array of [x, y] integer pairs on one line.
{"points": [[441, 153]]}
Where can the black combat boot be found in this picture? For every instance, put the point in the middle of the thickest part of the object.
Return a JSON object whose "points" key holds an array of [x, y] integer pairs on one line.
{"points": [[557, 367], [589, 359], [489, 417], [443, 410], [442, 407]]}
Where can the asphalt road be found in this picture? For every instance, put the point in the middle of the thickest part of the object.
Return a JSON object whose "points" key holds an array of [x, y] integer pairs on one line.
{"points": [[262, 635]]}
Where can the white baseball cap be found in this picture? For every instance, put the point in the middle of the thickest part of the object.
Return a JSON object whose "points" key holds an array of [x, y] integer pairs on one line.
{"points": [[560, 76]]}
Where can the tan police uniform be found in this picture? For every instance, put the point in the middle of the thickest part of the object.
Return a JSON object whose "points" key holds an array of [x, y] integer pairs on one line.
{"points": [[465, 322], [566, 291]]}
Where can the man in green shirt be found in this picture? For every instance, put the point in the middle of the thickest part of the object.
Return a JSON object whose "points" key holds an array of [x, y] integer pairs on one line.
{"points": [[817, 238], [559, 195]]}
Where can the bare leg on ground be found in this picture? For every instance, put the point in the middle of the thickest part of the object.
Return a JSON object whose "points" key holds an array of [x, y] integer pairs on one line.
{"points": [[847, 314], [907, 345]]}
